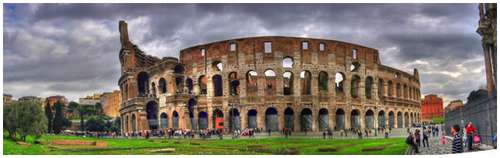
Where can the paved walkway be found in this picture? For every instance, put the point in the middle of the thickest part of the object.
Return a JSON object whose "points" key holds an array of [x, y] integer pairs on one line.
{"points": [[435, 147]]}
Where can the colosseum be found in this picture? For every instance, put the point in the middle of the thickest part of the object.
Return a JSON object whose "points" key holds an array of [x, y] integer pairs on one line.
{"points": [[270, 83]]}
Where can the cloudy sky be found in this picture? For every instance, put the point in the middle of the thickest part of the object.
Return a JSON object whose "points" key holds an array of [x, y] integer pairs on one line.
{"points": [[72, 49]]}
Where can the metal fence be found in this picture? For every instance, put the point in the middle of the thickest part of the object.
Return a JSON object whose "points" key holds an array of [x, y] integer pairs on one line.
{"points": [[482, 112]]}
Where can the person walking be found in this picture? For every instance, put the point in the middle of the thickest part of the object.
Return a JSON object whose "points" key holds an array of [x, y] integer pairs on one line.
{"points": [[417, 137], [425, 136], [456, 145], [410, 140], [470, 130]]}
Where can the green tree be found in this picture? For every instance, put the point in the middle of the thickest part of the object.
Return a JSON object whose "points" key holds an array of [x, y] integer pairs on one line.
{"points": [[98, 123], [10, 120], [98, 108], [59, 120], [25, 118], [50, 117], [116, 126]]}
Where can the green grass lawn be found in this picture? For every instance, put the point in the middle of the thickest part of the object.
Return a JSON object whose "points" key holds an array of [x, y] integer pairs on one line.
{"points": [[266, 146]]}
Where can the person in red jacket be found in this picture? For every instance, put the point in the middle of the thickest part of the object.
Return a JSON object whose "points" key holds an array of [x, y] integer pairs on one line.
{"points": [[470, 130]]}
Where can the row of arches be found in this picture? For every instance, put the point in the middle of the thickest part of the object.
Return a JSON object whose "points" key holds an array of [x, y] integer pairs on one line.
{"points": [[304, 120]]}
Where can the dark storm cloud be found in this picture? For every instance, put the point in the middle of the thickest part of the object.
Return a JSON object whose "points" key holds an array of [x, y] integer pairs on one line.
{"points": [[73, 48]]}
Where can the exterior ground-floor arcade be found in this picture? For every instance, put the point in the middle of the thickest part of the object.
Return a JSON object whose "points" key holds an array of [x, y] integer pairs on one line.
{"points": [[268, 117]]}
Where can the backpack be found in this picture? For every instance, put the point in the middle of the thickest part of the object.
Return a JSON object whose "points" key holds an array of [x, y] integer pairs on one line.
{"points": [[409, 140]]}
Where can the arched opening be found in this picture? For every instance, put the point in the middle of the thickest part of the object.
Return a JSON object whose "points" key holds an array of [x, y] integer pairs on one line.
{"points": [[270, 82], [175, 120], [134, 123], [323, 119], [142, 83], [288, 83], [369, 119], [234, 84], [381, 119], [162, 85], [153, 88], [179, 84], [163, 120], [405, 91], [339, 83], [202, 120], [368, 87], [355, 86], [339, 119], [218, 119], [323, 82], [217, 82], [217, 66], [306, 119], [189, 83], [355, 66], [400, 120], [287, 62], [355, 119], [234, 122], [152, 115], [271, 119], [380, 88], [391, 119], [305, 77], [179, 69], [390, 89], [202, 83], [252, 118], [289, 118], [398, 90], [407, 120], [191, 105], [251, 82]]}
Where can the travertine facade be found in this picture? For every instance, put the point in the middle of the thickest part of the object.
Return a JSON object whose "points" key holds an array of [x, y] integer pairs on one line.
{"points": [[110, 102], [265, 82]]}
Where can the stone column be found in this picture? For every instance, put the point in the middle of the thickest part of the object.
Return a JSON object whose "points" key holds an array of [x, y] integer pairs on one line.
{"points": [[243, 118], [296, 121], [210, 118]]}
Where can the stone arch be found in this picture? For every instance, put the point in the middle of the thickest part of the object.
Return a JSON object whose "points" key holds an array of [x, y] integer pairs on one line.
{"points": [[142, 83], [380, 88], [306, 119], [323, 82], [355, 123], [191, 104], [381, 118], [179, 69], [405, 91], [202, 120], [251, 79], [271, 119], [355, 82], [189, 85], [391, 119], [202, 84], [339, 119], [153, 88], [252, 118], [289, 121], [368, 87], [305, 78], [369, 119], [339, 82], [287, 83], [134, 123], [398, 90], [400, 119], [163, 120], [152, 115], [390, 89], [175, 120], [217, 82], [234, 84], [218, 119], [234, 121], [179, 84], [217, 66], [162, 85], [323, 119], [270, 77], [407, 120]]}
